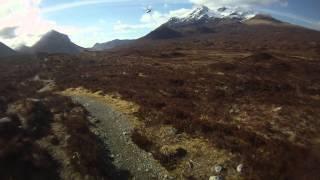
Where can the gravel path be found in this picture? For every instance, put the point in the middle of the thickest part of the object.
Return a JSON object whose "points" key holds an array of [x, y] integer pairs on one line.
{"points": [[115, 129]]}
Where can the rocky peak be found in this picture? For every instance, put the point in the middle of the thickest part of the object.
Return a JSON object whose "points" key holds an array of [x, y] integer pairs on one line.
{"points": [[204, 14]]}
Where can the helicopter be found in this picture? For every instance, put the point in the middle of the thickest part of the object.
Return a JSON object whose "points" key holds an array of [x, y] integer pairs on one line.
{"points": [[148, 10]]}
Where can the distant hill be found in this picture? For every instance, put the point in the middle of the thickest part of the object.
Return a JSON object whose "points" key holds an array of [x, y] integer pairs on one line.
{"points": [[6, 51], [163, 32], [110, 44], [55, 42], [24, 49]]}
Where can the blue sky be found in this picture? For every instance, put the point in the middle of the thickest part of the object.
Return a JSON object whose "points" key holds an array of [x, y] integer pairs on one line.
{"points": [[91, 21]]}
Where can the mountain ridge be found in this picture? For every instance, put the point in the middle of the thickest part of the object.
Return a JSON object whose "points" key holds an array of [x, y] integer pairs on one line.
{"points": [[55, 42], [110, 44], [234, 20], [203, 14], [201, 20], [6, 51]]}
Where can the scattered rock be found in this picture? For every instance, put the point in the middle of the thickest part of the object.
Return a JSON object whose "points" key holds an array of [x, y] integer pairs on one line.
{"points": [[277, 109], [215, 178], [33, 100], [234, 109], [6, 125], [76, 155], [48, 87], [5, 120], [36, 78], [220, 73], [240, 168], [218, 168], [141, 75]]}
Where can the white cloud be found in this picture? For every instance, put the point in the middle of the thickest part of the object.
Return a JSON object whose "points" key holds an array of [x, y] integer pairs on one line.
{"points": [[180, 12], [86, 36], [147, 21], [311, 23], [25, 16], [219, 3], [8, 33]]}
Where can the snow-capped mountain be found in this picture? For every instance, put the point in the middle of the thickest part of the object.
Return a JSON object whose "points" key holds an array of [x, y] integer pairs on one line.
{"points": [[230, 28], [235, 13], [203, 14], [202, 20]]}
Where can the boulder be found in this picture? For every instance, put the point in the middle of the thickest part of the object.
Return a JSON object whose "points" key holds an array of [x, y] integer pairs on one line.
{"points": [[5, 120]]}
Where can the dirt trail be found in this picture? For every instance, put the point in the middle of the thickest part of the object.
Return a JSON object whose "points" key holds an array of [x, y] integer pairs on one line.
{"points": [[115, 130]]}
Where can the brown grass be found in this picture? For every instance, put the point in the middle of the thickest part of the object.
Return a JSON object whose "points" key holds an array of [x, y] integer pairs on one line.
{"points": [[235, 94], [21, 156], [168, 160], [228, 98]]}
